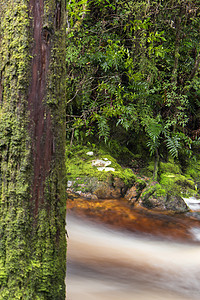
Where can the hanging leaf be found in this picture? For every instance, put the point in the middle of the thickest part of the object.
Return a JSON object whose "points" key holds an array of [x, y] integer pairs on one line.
{"points": [[173, 144]]}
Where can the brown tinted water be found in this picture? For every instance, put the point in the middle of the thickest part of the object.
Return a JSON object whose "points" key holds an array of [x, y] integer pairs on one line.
{"points": [[109, 257], [119, 214]]}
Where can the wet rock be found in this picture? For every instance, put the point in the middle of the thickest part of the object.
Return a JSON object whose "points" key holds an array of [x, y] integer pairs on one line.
{"points": [[108, 191], [73, 194], [176, 203], [87, 195], [154, 202], [118, 183], [150, 199], [92, 188], [195, 215], [168, 202], [133, 194], [155, 196], [120, 186]]}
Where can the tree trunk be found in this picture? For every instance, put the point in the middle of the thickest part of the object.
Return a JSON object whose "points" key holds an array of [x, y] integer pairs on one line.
{"points": [[32, 147]]}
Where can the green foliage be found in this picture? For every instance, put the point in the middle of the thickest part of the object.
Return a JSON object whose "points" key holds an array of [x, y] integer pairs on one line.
{"points": [[173, 144], [75, 13], [134, 71], [154, 130]]}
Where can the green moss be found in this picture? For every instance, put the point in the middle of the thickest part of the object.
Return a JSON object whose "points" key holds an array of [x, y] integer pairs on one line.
{"points": [[79, 165], [178, 184], [15, 152], [169, 167], [160, 191], [148, 171], [157, 190], [32, 248], [193, 170], [171, 181], [128, 177]]}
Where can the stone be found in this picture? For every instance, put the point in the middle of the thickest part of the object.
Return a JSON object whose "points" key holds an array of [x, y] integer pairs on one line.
{"points": [[101, 163], [90, 153], [107, 169], [154, 202], [131, 194], [176, 203], [118, 183], [134, 192], [107, 192], [86, 195], [193, 203]]}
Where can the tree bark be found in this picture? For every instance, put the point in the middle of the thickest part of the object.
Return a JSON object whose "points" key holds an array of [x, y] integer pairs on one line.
{"points": [[32, 150]]}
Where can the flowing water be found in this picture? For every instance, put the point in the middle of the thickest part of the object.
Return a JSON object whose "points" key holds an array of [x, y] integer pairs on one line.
{"points": [[118, 265]]}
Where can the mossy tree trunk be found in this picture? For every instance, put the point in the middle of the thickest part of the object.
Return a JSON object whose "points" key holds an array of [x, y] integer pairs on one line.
{"points": [[32, 144]]}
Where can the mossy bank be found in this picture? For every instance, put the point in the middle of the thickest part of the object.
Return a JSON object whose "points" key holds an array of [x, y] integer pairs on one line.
{"points": [[93, 172]]}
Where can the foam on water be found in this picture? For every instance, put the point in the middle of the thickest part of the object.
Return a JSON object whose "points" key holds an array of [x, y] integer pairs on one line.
{"points": [[107, 263], [193, 203], [196, 233]]}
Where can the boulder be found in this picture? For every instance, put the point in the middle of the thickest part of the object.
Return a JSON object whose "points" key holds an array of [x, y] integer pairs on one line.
{"points": [[176, 203], [156, 197], [133, 194], [92, 188], [106, 191]]}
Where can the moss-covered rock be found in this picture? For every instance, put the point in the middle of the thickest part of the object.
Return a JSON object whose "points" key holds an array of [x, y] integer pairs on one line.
{"points": [[86, 168], [170, 167], [175, 203], [153, 196], [193, 171], [177, 184], [168, 193], [95, 171], [157, 197], [133, 194]]}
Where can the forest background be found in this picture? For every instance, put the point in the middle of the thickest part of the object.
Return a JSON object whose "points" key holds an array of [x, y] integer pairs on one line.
{"points": [[133, 75]]}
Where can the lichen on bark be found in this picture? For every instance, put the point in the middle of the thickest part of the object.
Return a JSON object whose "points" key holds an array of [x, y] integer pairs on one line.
{"points": [[32, 133]]}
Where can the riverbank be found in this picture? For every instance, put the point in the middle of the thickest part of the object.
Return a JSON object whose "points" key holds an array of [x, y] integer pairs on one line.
{"points": [[95, 172]]}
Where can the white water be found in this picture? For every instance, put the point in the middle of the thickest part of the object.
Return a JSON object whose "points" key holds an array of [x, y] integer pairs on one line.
{"points": [[193, 203], [105, 264]]}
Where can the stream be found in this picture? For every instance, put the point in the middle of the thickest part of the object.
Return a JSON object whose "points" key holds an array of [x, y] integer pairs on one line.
{"points": [[111, 264]]}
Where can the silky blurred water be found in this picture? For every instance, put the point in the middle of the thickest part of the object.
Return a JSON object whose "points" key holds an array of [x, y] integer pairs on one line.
{"points": [[107, 264]]}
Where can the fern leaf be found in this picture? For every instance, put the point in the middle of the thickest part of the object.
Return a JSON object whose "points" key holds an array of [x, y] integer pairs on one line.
{"points": [[173, 145], [152, 146], [103, 128], [154, 130]]}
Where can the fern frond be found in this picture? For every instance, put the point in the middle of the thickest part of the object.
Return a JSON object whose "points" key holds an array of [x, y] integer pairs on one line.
{"points": [[173, 145], [152, 146], [154, 130], [103, 128]]}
